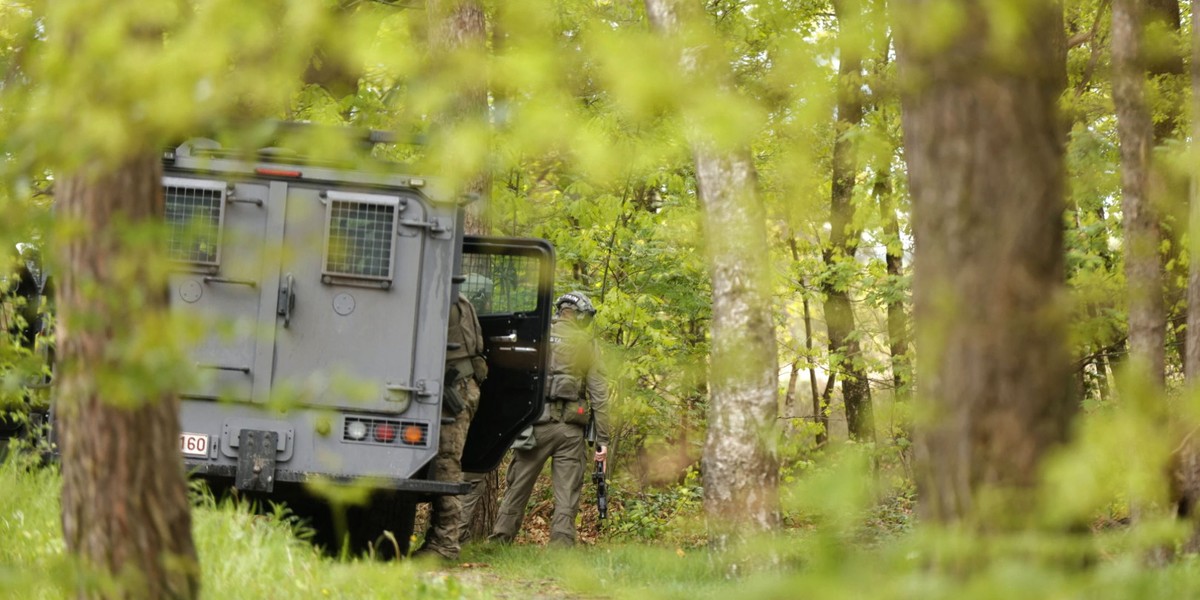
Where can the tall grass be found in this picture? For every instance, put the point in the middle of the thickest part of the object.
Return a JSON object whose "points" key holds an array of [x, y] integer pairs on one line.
{"points": [[822, 554], [242, 554]]}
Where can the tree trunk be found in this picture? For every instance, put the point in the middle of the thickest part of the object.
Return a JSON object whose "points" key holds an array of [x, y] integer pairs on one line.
{"points": [[458, 28], [330, 66], [124, 495], [741, 469], [1143, 237], [818, 405], [984, 147], [897, 320], [1168, 185], [483, 512], [1187, 476], [844, 348], [819, 416]]}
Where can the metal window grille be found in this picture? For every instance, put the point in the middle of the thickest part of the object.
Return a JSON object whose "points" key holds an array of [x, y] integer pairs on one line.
{"points": [[360, 236], [195, 216], [501, 284]]}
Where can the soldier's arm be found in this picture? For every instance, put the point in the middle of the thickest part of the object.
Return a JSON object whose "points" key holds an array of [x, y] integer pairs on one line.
{"points": [[597, 391]]}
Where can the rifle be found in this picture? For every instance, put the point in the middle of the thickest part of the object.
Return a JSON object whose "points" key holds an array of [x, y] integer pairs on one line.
{"points": [[589, 433], [601, 489]]}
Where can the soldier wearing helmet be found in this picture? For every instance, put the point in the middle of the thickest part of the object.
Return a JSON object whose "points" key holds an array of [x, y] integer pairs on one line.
{"points": [[576, 391]]}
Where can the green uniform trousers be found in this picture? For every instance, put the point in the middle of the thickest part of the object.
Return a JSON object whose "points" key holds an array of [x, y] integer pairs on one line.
{"points": [[445, 520], [563, 444]]}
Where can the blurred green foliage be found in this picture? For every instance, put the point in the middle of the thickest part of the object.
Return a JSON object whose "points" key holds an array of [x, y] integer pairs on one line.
{"points": [[585, 142]]}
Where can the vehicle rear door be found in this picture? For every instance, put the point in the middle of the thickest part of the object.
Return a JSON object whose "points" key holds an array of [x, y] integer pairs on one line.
{"points": [[356, 313], [510, 282], [215, 238]]}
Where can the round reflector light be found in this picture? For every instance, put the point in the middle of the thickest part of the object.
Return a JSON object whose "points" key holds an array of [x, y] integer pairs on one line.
{"points": [[385, 433], [413, 434], [356, 430]]}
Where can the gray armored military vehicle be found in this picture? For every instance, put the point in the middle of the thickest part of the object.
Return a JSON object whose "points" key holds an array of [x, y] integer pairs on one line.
{"points": [[324, 294]]}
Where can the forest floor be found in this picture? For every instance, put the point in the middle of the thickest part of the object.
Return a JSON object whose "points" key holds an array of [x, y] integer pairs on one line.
{"points": [[475, 569]]}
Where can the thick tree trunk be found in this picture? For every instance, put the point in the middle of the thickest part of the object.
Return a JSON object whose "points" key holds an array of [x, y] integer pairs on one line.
{"points": [[741, 469], [124, 498], [1143, 237], [984, 147], [844, 347]]}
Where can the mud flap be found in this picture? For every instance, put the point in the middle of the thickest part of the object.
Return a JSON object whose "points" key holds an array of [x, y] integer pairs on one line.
{"points": [[256, 460]]}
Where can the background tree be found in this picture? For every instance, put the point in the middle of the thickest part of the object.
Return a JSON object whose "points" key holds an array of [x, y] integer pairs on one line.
{"points": [[167, 74], [458, 36], [1187, 473], [984, 149], [1142, 221], [845, 349], [740, 470]]}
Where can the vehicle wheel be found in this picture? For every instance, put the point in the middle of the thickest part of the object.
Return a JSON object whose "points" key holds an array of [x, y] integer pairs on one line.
{"points": [[383, 527]]}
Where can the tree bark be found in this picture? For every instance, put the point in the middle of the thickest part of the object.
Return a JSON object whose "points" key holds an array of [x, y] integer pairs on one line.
{"points": [[1168, 185], [897, 320], [459, 28], [844, 348], [881, 189], [741, 468], [1143, 236], [818, 408], [124, 498], [984, 146], [818, 405], [1187, 475], [330, 66]]}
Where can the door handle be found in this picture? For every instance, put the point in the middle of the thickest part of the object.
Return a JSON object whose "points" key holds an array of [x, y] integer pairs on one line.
{"points": [[287, 300], [511, 337], [215, 279]]}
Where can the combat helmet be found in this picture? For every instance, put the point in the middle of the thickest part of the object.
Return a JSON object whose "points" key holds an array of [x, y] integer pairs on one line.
{"points": [[576, 300]]}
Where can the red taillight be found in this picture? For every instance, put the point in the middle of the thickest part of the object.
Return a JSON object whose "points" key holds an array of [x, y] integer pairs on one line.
{"points": [[277, 172], [384, 433]]}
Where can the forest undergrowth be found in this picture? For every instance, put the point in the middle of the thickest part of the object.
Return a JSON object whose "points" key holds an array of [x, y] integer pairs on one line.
{"points": [[841, 539]]}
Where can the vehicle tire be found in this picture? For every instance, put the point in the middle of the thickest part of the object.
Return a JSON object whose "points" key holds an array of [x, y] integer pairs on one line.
{"points": [[384, 527]]}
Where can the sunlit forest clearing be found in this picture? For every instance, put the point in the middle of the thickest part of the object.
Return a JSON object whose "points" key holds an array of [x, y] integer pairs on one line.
{"points": [[895, 298]]}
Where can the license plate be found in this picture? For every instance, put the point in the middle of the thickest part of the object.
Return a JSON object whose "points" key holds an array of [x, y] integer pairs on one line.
{"points": [[193, 444]]}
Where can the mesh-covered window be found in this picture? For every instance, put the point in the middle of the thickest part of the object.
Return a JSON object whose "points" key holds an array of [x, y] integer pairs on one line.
{"points": [[501, 284], [361, 236], [195, 211]]}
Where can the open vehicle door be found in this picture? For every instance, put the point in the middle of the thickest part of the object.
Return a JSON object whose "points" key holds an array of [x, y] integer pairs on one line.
{"points": [[510, 282]]}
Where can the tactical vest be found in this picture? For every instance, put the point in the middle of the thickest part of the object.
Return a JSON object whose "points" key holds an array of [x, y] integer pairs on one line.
{"points": [[466, 339]]}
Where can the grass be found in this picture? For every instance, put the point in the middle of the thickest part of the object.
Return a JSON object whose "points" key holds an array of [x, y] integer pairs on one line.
{"points": [[248, 555], [242, 555]]}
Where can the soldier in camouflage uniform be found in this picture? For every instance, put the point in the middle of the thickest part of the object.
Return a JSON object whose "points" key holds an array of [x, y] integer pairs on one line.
{"points": [[466, 369], [577, 390]]}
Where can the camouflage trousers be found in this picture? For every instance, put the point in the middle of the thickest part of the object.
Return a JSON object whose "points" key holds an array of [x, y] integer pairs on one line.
{"points": [[442, 536]]}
